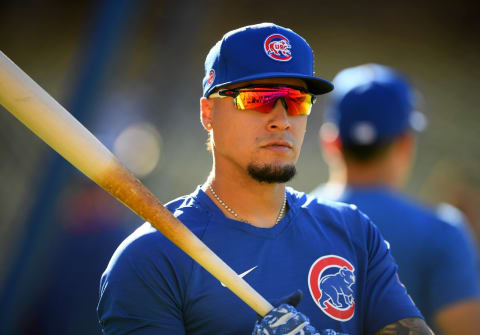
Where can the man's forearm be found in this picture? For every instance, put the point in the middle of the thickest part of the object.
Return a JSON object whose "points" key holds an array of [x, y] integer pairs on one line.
{"points": [[408, 326]]}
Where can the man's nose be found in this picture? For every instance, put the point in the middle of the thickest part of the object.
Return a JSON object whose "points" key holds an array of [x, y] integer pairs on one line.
{"points": [[279, 116]]}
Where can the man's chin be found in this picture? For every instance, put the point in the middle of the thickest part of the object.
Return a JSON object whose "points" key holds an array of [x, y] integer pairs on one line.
{"points": [[271, 174]]}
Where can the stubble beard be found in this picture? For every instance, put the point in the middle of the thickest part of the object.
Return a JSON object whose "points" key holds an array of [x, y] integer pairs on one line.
{"points": [[269, 173]]}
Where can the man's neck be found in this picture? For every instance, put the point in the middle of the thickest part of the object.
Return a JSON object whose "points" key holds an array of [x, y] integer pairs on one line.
{"points": [[369, 177], [364, 175], [258, 203]]}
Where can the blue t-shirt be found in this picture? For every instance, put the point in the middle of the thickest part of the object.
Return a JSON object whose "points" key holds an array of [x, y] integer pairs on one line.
{"points": [[331, 251], [437, 259]]}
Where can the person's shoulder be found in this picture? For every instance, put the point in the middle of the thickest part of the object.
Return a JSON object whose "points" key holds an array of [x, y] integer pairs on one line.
{"points": [[454, 224], [452, 215], [401, 204], [445, 222], [145, 239], [443, 218], [344, 220], [184, 204], [144, 247], [326, 208], [191, 209]]}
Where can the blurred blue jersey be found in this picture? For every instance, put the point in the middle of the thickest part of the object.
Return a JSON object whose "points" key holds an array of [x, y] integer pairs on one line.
{"points": [[330, 251], [437, 259]]}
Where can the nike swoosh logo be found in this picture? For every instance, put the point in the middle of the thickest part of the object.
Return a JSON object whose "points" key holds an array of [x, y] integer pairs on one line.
{"points": [[241, 275]]}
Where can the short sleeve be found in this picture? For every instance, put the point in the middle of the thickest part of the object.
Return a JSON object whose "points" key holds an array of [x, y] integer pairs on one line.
{"points": [[386, 298], [454, 272], [140, 292]]}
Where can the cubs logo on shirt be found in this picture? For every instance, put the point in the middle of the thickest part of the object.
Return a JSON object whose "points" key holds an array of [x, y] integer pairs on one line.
{"points": [[331, 281], [278, 47]]}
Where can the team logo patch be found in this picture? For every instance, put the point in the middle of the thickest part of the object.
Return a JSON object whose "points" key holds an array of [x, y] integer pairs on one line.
{"points": [[330, 281], [278, 47], [211, 77]]}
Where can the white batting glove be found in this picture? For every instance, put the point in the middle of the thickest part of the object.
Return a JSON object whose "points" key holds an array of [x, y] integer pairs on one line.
{"points": [[284, 320]]}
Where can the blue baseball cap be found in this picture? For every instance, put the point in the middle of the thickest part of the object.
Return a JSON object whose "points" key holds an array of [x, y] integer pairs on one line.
{"points": [[372, 103], [261, 51]]}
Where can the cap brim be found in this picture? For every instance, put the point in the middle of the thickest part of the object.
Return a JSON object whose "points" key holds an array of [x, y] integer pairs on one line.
{"points": [[315, 85]]}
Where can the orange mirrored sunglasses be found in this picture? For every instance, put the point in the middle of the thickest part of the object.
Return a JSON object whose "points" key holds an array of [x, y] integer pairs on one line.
{"points": [[262, 98]]}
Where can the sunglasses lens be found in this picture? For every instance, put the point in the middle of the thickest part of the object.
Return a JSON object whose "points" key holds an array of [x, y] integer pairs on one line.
{"points": [[263, 99], [299, 103]]}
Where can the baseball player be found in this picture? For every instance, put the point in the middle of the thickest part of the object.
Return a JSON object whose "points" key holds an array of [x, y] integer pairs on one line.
{"points": [[258, 90], [368, 141]]}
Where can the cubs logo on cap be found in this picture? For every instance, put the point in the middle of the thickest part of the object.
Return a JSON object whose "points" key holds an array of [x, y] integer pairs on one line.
{"points": [[261, 51], [277, 47], [330, 280]]}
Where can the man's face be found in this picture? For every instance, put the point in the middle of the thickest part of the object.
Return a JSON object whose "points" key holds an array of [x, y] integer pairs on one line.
{"points": [[266, 145]]}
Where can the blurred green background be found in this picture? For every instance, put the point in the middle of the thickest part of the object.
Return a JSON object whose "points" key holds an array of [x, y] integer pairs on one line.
{"points": [[131, 72]]}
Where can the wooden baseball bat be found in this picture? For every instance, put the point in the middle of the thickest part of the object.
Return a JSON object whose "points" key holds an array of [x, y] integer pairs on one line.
{"points": [[37, 110]]}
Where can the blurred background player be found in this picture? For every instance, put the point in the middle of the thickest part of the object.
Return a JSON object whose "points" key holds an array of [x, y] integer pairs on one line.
{"points": [[368, 142]]}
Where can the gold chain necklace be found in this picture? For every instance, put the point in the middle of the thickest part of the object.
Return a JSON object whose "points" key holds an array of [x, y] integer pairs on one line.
{"points": [[279, 217]]}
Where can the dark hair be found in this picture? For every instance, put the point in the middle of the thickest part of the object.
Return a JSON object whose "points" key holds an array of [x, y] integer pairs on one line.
{"points": [[365, 153]]}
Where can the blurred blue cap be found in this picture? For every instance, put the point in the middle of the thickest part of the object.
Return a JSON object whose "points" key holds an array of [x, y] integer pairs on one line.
{"points": [[261, 51], [371, 103]]}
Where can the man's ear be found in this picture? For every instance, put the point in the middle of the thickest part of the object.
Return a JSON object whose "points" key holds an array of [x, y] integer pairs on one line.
{"points": [[329, 142], [406, 143], [206, 110]]}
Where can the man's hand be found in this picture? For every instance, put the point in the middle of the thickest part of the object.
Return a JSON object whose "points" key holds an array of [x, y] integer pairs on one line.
{"points": [[284, 319]]}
